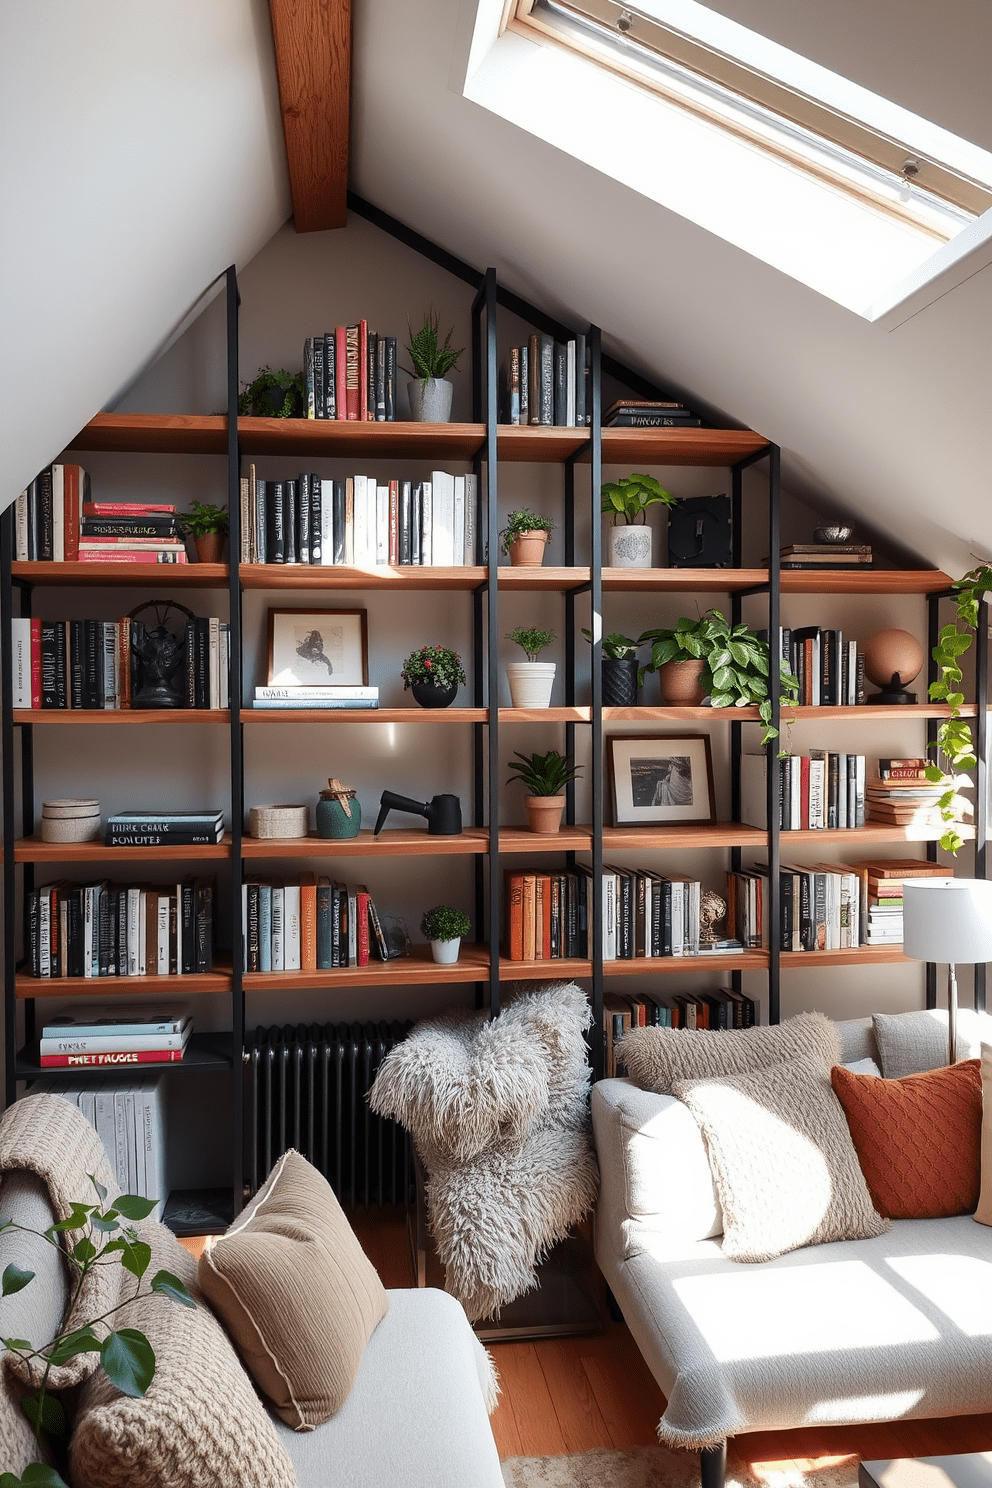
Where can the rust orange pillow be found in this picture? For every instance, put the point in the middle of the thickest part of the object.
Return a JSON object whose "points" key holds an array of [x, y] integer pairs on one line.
{"points": [[918, 1139]]}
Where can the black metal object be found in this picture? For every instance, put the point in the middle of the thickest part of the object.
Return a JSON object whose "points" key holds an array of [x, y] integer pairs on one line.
{"points": [[596, 680], [7, 744], [933, 633], [981, 773], [700, 533], [772, 748], [443, 813], [486, 303], [233, 302], [713, 1466]]}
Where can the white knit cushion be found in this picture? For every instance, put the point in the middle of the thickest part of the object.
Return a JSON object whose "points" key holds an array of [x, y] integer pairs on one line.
{"points": [[656, 1057], [781, 1152]]}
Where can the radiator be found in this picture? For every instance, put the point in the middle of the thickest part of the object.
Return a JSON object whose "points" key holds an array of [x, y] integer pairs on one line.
{"points": [[306, 1087]]}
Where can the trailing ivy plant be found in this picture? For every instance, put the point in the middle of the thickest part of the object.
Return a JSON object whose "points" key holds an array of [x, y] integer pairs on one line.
{"points": [[954, 741]]}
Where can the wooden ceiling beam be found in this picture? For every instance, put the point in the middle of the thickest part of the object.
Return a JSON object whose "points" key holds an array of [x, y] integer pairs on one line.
{"points": [[313, 63]]}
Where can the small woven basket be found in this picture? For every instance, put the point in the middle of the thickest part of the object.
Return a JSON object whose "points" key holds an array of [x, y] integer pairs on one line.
{"points": [[279, 821]]}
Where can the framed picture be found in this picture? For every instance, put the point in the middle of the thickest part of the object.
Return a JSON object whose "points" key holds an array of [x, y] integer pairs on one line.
{"points": [[662, 781], [317, 648]]}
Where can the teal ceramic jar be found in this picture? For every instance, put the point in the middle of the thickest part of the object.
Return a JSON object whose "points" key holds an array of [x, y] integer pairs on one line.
{"points": [[333, 819]]}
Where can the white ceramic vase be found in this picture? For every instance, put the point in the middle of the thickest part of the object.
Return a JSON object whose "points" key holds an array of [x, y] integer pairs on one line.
{"points": [[631, 547], [531, 683], [430, 401], [445, 952]]}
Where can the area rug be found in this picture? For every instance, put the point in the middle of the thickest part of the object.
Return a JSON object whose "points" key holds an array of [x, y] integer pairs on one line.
{"points": [[653, 1467]]}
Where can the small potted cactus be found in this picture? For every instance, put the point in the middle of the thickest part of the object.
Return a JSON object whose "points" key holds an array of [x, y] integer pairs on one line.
{"points": [[444, 927], [531, 681]]}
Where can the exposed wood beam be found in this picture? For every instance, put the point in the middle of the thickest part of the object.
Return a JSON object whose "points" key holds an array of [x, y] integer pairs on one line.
{"points": [[313, 62]]}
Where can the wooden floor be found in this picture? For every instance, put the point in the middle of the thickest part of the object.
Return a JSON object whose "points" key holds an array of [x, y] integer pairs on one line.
{"points": [[570, 1395]]}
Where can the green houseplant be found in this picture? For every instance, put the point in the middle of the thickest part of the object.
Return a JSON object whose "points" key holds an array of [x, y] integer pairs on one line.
{"points": [[544, 776], [445, 927], [431, 361], [954, 740], [207, 525], [619, 669], [525, 537], [531, 681], [627, 501], [274, 394], [434, 674]]}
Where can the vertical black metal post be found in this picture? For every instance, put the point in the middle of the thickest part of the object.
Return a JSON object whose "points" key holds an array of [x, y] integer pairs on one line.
{"points": [[933, 632], [236, 738], [479, 775], [774, 669], [981, 773], [596, 678], [492, 638], [570, 632], [7, 741], [736, 728]]}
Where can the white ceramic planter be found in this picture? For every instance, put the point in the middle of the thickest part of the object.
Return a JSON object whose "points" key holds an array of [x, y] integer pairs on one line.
{"points": [[445, 952], [430, 402], [531, 683], [631, 547]]}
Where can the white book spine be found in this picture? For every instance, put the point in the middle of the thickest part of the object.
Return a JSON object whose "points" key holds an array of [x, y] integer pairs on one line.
{"points": [[678, 918], [471, 501], [292, 938], [21, 528], [570, 384], [371, 519], [20, 631], [224, 659], [214, 661], [382, 526], [105, 1126], [278, 939], [443, 487], [427, 525], [125, 1168], [58, 513], [359, 523], [352, 925], [162, 947], [142, 932], [609, 917], [458, 522], [326, 523]]}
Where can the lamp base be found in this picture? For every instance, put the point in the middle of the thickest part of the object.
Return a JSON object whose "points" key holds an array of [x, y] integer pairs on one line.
{"points": [[894, 696]]}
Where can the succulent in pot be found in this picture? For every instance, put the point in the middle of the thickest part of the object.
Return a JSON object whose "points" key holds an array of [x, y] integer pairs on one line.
{"points": [[545, 776], [531, 681], [619, 669], [627, 501], [207, 525], [445, 927], [434, 675], [430, 392], [525, 537]]}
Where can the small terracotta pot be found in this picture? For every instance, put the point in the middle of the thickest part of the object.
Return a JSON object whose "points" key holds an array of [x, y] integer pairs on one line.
{"points": [[680, 686], [544, 813], [209, 547], [528, 549]]}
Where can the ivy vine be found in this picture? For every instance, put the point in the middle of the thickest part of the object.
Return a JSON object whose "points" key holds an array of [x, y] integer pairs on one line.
{"points": [[954, 741]]}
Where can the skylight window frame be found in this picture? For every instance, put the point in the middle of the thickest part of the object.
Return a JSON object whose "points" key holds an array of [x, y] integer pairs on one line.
{"points": [[868, 164]]}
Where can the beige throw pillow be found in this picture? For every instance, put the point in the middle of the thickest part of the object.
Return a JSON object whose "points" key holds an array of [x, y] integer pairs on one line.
{"points": [[783, 1160], [984, 1211], [296, 1292], [656, 1057]]}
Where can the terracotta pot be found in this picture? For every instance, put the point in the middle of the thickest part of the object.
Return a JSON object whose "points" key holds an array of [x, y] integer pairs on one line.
{"points": [[544, 813], [680, 685], [528, 549], [209, 547]]}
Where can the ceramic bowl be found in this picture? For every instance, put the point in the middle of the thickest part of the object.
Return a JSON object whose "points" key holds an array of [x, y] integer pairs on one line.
{"points": [[835, 534]]}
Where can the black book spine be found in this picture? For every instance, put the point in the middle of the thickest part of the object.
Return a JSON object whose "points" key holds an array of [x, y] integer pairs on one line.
{"points": [[381, 361], [202, 661], [323, 927], [547, 380], [561, 383], [277, 534], [262, 520], [330, 378], [77, 664], [34, 935], [290, 509], [340, 510], [34, 521], [580, 381], [189, 669], [390, 379], [104, 927], [303, 518], [786, 882], [204, 955], [254, 959], [571, 916], [827, 698], [93, 680], [335, 927], [666, 918], [316, 522], [126, 838], [405, 520], [61, 664], [187, 926], [74, 923], [319, 379], [656, 928], [833, 792], [807, 926], [345, 928], [120, 948], [372, 355], [46, 528], [625, 919]]}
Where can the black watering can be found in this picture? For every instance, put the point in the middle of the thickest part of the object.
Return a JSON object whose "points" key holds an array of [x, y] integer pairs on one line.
{"points": [[443, 813]]}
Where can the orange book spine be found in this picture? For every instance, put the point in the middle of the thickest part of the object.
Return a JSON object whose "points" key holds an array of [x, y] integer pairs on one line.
{"points": [[362, 928], [394, 521], [514, 886], [70, 502], [544, 892], [308, 923], [363, 371], [124, 635], [529, 918]]}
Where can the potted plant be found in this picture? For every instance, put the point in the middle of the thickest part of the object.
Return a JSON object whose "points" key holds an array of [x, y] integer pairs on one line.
{"points": [[444, 928], [525, 537], [430, 392], [274, 394], [619, 669], [207, 525], [545, 776], [627, 501], [434, 675], [710, 657], [531, 681]]}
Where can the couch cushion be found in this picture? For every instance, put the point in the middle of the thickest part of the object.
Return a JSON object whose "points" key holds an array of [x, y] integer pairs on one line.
{"points": [[910, 1043], [200, 1422], [656, 1057], [296, 1292], [983, 1213], [785, 1167], [918, 1139], [857, 1040]]}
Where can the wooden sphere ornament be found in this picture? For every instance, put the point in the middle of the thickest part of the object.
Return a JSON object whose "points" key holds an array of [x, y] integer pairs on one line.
{"points": [[893, 658]]}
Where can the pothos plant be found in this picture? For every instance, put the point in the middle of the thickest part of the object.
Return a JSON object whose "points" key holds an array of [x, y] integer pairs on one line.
{"points": [[126, 1356], [954, 739]]}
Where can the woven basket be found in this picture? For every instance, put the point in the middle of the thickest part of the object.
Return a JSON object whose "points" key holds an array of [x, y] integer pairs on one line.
{"points": [[70, 829], [278, 821], [67, 809]]}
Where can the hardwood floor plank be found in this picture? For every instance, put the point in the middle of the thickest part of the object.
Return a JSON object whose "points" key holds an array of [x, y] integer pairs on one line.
{"points": [[526, 1390], [629, 1410], [579, 1417]]}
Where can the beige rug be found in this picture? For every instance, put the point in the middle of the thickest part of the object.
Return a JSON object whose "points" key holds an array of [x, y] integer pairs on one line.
{"points": [[653, 1467]]}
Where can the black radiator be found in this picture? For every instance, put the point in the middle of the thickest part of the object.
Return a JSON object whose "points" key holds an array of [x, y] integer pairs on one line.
{"points": [[306, 1087]]}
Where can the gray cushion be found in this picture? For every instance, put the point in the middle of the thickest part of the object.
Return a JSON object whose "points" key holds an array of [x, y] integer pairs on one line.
{"points": [[857, 1040], [910, 1043]]}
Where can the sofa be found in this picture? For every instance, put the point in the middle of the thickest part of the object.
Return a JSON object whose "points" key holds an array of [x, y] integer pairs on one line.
{"points": [[410, 1392], [895, 1324]]}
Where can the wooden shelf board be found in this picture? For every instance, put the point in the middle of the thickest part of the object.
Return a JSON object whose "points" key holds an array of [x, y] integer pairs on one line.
{"points": [[155, 434], [392, 842], [858, 956], [126, 575], [120, 717], [522, 840], [691, 715], [536, 577], [33, 850], [720, 834], [545, 715], [872, 581], [564, 969], [682, 580], [334, 437], [101, 988], [205, 1051], [338, 576], [364, 715], [650, 965], [680, 446], [418, 967], [869, 710], [536, 445], [859, 837]]}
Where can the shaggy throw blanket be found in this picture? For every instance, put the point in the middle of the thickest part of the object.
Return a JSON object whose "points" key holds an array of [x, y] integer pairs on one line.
{"points": [[498, 1112]]}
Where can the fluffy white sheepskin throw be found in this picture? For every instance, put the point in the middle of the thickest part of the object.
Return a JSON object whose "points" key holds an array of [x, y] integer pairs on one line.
{"points": [[498, 1111]]}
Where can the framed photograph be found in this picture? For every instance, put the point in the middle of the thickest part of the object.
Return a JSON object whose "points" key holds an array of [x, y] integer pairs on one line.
{"points": [[662, 781], [317, 648]]}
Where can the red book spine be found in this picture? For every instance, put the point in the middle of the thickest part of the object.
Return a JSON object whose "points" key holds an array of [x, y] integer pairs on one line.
{"points": [[804, 792], [363, 371], [352, 372], [394, 521], [121, 508], [36, 663], [545, 917], [362, 915], [101, 555], [124, 667], [341, 370], [514, 884], [140, 1056], [70, 507]]}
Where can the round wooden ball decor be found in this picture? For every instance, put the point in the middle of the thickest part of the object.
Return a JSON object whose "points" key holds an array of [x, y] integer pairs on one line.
{"points": [[892, 659]]}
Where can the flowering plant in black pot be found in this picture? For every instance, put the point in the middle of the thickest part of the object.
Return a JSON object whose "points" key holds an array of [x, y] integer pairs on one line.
{"points": [[434, 674]]}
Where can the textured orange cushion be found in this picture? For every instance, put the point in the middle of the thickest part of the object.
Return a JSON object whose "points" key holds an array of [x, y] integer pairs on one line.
{"points": [[918, 1139]]}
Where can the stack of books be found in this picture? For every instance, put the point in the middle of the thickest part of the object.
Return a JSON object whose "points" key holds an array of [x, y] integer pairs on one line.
{"points": [[322, 696], [164, 828], [312, 924], [649, 413], [822, 789], [308, 519], [106, 1037], [548, 383], [130, 532], [130, 1118], [350, 373], [104, 929], [882, 882], [901, 795], [826, 555]]}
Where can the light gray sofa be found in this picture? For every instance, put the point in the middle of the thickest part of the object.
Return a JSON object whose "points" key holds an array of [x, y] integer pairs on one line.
{"points": [[859, 1330]]}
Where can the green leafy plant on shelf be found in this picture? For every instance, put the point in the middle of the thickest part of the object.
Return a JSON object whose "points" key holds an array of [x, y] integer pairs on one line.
{"points": [[205, 519], [519, 523], [736, 664], [628, 499], [616, 647], [532, 639], [126, 1356], [261, 396], [954, 741], [544, 774], [444, 923], [437, 664], [430, 357]]}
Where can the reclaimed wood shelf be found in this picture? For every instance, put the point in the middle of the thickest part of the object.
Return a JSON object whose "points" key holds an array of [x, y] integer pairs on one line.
{"points": [[205, 1051], [853, 956], [126, 575], [102, 988], [121, 717], [33, 850], [395, 578], [871, 581], [416, 968], [364, 715], [665, 965], [392, 842], [718, 834]]}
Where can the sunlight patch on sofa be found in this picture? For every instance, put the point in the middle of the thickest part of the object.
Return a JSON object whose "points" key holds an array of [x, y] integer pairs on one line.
{"points": [[884, 1407], [961, 1286]]}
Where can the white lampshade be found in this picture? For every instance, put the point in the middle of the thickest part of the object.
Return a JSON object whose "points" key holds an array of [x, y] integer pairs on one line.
{"points": [[947, 919]]}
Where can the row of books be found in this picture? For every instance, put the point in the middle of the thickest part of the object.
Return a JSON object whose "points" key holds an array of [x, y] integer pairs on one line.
{"points": [[98, 663], [829, 671], [350, 373], [315, 924], [719, 1009], [821, 789], [360, 521], [99, 1037], [322, 696], [826, 555], [902, 795], [131, 1121], [547, 382], [103, 929], [649, 413], [55, 521], [164, 828]]}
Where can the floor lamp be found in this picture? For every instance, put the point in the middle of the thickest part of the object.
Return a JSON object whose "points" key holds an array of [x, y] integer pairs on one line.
{"points": [[948, 919]]}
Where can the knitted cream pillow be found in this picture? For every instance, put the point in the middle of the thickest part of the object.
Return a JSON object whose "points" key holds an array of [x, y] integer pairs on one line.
{"points": [[296, 1292], [783, 1160], [200, 1422], [655, 1058]]}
